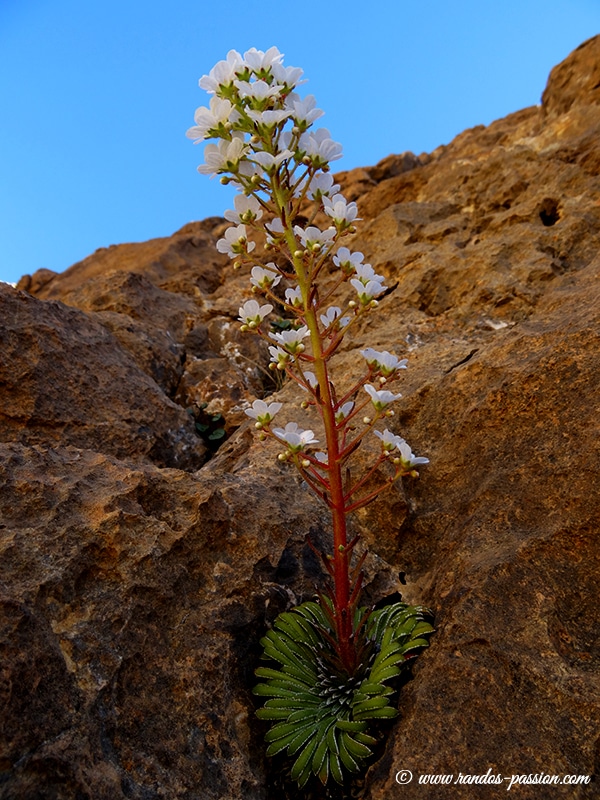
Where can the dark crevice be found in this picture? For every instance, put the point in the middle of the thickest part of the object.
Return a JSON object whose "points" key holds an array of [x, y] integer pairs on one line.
{"points": [[548, 212], [462, 361]]}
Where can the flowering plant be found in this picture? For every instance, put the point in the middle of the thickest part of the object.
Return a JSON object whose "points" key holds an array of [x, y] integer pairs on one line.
{"points": [[334, 657]]}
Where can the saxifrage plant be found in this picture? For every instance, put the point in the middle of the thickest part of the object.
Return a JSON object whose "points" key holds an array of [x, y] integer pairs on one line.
{"points": [[331, 660]]}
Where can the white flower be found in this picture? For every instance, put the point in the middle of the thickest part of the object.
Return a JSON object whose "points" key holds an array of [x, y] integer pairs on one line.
{"points": [[381, 398], [273, 228], [279, 356], [247, 209], [391, 442], [270, 117], [263, 277], [235, 242], [259, 60], [252, 314], [223, 73], [285, 140], [321, 458], [319, 148], [367, 283], [410, 461], [304, 111], [288, 76], [348, 262], [313, 235], [294, 296], [341, 212], [311, 379], [367, 292], [331, 315], [291, 340], [269, 161], [321, 184], [383, 362], [262, 412], [343, 412], [295, 437], [209, 119], [257, 90], [225, 156], [366, 273]]}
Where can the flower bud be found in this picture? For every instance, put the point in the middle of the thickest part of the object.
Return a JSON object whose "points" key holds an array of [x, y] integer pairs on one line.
{"points": [[367, 420], [305, 463], [282, 456], [224, 180], [258, 426], [298, 253]]}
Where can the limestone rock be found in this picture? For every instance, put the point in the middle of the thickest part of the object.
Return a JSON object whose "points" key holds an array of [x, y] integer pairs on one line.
{"points": [[136, 583], [576, 81], [65, 379]]}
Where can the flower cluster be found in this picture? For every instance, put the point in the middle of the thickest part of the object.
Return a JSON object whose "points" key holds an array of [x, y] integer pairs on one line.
{"points": [[267, 146], [263, 126]]}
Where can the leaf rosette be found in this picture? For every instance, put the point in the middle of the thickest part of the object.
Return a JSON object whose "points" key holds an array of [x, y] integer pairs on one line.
{"points": [[319, 713]]}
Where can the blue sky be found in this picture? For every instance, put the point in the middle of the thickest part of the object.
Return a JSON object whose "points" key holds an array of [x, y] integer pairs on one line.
{"points": [[96, 96]]}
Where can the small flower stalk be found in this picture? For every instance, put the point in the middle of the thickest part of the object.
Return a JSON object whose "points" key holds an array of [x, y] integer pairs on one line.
{"points": [[334, 656]]}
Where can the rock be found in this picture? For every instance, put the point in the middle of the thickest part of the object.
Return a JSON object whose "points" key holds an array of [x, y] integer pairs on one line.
{"points": [[65, 379], [35, 283], [135, 591], [393, 165], [127, 657], [575, 81], [511, 681], [186, 262]]}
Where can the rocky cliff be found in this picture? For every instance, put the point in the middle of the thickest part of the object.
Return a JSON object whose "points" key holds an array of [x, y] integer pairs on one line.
{"points": [[139, 561]]}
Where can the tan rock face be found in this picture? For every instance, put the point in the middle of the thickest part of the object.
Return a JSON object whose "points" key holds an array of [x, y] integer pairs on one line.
{"points": [[65, 379], [138, 572]]}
